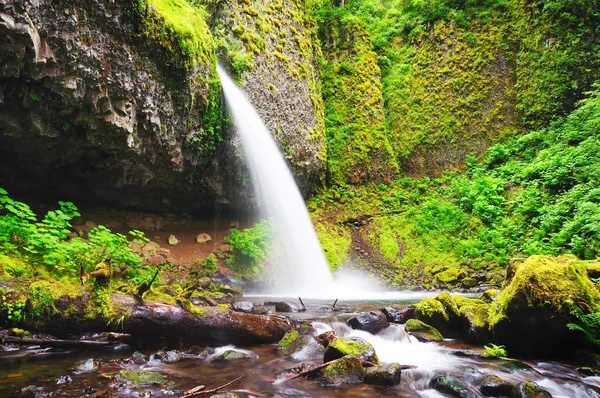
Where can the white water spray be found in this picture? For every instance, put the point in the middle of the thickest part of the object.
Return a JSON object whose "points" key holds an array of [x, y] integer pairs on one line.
{"points": [[305, 271]]}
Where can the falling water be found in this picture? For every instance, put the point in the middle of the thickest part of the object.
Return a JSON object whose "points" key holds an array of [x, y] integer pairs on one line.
{"points": [[304, 270]]}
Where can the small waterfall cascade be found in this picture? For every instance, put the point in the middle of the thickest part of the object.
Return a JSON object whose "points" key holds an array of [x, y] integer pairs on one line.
{"points": [[303, 270]]}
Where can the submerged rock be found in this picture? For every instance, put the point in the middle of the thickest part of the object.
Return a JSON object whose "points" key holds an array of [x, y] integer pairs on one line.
{"points": [[372, 321], [385, 375], [243, 306], [86, 366], [451, 385], [354, 346], [398, 315], [142, 378], [288, 306], [494, 386], [170, 357], [346, 370], [530, 390], [64, 380], [173, 241], [422, 331], [232, 355], [138, 358]]}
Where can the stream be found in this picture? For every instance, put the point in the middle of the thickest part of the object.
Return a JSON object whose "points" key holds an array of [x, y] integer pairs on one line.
{"points": [[266, 368]]}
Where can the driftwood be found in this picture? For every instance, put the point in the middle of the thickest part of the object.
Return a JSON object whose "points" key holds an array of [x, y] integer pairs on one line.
{"points": [[196, 391], [302, 302], [58, 343], [407, 335], [334, 303]]}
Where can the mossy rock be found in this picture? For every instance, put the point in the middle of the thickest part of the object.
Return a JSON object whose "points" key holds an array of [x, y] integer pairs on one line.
{"points": [[450, 277], [489, 295], [232, 355], [346, 370], [474, 322], [533, 310], [529, 390], [354, 346], [142, 378], [16, 332], [423, 331], [493, 386], [450, 385], [440, 312], [289, 338], [385, 375]]}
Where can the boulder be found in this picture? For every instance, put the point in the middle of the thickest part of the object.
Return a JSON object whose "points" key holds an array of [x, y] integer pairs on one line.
{"points": [[203, 238], [385, 375], [529, 389], [64, 380], [138, 358], [452, 386], [141, 377], [593, 270], [372, 321], [289, 338], [489, 295], [422, 331], [398, 315], [170, 357], [325, 338], [86, 366], [354, 346], [346, 370], [243, 306], [33, 392], [288, 306], [535, 306], [494, 386]]}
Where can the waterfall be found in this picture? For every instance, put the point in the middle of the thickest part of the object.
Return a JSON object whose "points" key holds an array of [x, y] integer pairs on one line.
{"points": [[303, 270]]}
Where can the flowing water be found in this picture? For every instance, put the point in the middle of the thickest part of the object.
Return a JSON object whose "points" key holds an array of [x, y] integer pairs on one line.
{"points": [[304, 270], [267, 367]]}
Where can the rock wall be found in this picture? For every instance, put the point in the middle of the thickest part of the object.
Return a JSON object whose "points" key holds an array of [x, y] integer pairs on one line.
{"points": [[119, 102]]}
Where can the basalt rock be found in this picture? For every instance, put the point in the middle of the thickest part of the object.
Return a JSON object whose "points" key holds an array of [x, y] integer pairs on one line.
{"points": [[372, 321], [422, 331], [398, 315], [243, 306], [288, 306], [494, 386]]}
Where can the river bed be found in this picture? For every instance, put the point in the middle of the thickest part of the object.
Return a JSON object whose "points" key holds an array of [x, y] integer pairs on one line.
{"points": [[265, 371]]}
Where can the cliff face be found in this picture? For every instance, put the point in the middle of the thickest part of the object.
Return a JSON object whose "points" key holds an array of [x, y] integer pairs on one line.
{"points": [[119, 103], [271, 49]]}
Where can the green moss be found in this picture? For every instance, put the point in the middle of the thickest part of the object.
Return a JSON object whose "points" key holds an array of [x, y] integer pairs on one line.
{"points": [[388, 243], [181, 29], [12, 267], [42, 296], [352, 347], [335, 242], [345, 370], [142, 378], [476, 313], [432, 308], [16, 332], [423, 330], [451, 275], [553, 283], [289, 338]]}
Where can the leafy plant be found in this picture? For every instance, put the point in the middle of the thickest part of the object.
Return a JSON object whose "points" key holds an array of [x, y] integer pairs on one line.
{"points": [[249, 247], [495, 351], [588, 324]]}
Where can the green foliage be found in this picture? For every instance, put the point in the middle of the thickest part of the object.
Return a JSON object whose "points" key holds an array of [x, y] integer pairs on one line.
{"points": [[206, 267], [495, 351], [249, 247], [335, 242], [14, 309], [587, 323], [46, 247], [532, 194]]}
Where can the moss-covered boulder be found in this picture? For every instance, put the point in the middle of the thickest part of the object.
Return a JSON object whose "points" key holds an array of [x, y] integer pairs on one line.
{"points": [[232, 355], [536, 304], [354, 346], [346, 370], [142, 378], [441, 312], [450, 385], [493, 386], [289, 338], [423, 331]]}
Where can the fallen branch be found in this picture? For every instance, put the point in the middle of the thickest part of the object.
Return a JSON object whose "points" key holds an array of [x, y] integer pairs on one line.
{"points": [[334, 303], [57, 343], [189, 393], [407, 335], [200, 392], [301, 302]]}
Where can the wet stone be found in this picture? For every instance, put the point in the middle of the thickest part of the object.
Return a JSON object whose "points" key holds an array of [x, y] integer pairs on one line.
{"points": [[86, 366], [64, 380], [494, 386], [232, 355], [138, 358], [346, 370], [171, 357], [325, 338], [529, 390], [452, 386], [33, 392], [386, 375], [243, 306], [398, 315], [372, 321], [288, 306]]}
